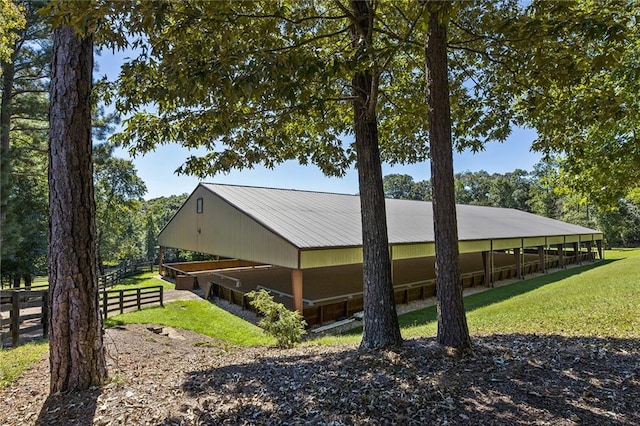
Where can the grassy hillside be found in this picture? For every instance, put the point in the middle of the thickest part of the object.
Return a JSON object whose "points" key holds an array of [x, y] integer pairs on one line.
{"points": [[199, 316], [598, 299]]}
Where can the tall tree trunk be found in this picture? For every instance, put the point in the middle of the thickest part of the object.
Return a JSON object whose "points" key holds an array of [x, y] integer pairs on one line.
{"points": [[381, 328], [452, 321], [77, 358], [8, 75], [28, 281]]}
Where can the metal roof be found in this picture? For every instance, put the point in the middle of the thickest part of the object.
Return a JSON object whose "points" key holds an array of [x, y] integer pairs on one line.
{"points": [[322, 220]]}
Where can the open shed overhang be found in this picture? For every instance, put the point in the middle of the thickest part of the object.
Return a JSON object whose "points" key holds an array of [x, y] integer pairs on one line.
{"points": [[303, 229]]}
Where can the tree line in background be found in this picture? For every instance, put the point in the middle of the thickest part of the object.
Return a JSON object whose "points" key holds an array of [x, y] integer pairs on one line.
{"points": [[540, 191], [127, 225]]}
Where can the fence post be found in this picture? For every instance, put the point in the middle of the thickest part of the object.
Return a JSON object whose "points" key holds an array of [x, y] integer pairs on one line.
{"points": [[161, 296], [121, 301], [45, 314], [105, 307], [15, 318], [138, 295]]}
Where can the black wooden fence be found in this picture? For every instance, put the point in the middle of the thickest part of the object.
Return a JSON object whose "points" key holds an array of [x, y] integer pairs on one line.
{"points": [[28, 309]]}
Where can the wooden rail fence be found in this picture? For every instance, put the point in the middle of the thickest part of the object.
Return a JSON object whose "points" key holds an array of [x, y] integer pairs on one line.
{"points": [[109, 279], [28, 309], [126, 269], [127, 299]]}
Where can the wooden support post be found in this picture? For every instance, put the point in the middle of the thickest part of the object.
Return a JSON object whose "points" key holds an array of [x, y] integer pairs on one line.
{"points": [[589, 247], [296, 289], [516, 254], [160, 259], [15, 318], [541, 259], [393, 281], [45, 314], [487, 268], [576, 253], [599, 246], [121, 301], [560, 255], [105, 307]]}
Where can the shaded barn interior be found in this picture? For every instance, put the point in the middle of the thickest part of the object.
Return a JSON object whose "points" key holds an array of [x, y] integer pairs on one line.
{"points": [[305, 247], [335, 293]]}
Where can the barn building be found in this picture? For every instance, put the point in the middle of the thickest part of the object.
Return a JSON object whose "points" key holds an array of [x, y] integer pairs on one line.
{"points": [[306, 247]]}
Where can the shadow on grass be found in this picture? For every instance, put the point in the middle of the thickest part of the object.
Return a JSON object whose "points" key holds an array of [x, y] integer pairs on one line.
{"points": [[133, 280], [508, 377]]}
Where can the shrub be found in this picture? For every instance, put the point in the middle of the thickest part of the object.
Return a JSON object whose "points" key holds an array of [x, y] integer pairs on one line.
{"points": [[286, 326]]}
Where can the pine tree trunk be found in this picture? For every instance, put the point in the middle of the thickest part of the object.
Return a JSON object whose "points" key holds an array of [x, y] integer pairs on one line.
{"points": [[28, 281], [381, 328], [8, 75], [452, 321], [75, 332]]}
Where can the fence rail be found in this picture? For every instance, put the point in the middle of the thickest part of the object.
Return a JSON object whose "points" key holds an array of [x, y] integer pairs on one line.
{"points": [[125, 300], [28, 309], [28, 313], [111, 277], [124, 270]]}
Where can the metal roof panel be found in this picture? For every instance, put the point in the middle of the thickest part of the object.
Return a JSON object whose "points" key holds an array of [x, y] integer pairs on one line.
{"points": [[320, 220]]}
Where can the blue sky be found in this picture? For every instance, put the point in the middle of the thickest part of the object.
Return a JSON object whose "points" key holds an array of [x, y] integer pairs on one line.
{"points": [[157, 168]]}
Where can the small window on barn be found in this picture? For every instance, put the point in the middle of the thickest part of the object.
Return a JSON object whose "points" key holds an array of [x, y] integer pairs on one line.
{"points": [[199, 205]]}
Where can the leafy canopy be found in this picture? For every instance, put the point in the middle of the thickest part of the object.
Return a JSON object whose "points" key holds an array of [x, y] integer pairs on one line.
{"points": [[12, 20]]}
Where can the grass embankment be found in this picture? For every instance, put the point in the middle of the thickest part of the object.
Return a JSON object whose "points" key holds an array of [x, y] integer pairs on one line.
{"points": [[146, 279], [598, 299], [199, 316]]}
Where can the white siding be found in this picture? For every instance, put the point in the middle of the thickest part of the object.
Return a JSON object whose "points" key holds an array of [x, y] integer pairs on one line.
{"points": [[223, 230]]}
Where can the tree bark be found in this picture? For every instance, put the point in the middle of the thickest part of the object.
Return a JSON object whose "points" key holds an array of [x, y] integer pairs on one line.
{"points": [[8, 75], [452, 321], [28, 281], [381, 327], [75, 332]]}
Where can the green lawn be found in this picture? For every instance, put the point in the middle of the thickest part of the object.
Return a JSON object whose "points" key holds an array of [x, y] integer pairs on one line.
{"points": [[146, 279], [14, 361], [599, 299], [199, 316]]}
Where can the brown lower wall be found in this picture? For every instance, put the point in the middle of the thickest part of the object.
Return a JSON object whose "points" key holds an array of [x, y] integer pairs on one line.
{"points": [[344, 307]]}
